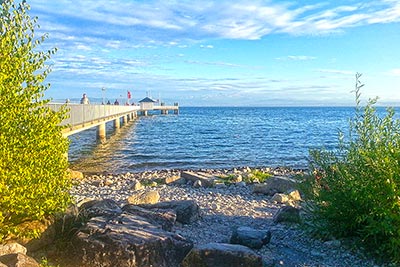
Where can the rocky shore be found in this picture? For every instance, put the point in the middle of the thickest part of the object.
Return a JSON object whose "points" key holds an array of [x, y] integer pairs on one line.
{"points": [[197, 218], [224, 208]]}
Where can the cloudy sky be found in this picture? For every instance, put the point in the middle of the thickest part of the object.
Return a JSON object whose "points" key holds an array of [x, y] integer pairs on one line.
{"points": [[228, 53]]}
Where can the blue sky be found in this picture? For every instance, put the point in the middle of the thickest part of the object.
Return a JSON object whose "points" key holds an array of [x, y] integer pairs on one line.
{"points": [[223, 53]]}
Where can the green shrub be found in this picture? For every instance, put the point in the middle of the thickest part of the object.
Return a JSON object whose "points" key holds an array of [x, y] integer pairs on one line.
{"points": [[33, 178], [354, 191], [258, 175]]}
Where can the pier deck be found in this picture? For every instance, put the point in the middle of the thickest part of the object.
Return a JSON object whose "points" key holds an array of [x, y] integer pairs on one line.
{"points": [[82, 117]]}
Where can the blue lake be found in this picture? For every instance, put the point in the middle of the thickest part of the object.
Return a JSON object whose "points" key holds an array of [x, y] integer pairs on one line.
{"points": [[213, 137]]}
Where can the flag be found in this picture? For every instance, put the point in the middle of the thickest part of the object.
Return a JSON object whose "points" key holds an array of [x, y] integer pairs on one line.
{"points": [[129, 95]]}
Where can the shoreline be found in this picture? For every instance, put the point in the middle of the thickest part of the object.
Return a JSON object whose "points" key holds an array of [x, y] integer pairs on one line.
{"points": [[224, 208], [279, 170]]}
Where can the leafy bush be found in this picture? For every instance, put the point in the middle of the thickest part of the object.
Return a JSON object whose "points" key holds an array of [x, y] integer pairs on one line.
{"points": [[258, 175], [33, 178], [354, 191]]}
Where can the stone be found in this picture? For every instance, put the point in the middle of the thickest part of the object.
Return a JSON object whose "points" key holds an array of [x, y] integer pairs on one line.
{"points": [[187, 211], [95, 208], [273, 185], [237, 179], [294, 195], [333, 243], [280, 198], [108, 182], [97, 183], [150, 197], [176, 179], [127, 240], [75, 174], [206, 179], [18, 260], [220, 185], [12, 247], [197, 184], [222, 255], [250, 237], [287, 214], [166, 217], [242, 184], [137, 186]]}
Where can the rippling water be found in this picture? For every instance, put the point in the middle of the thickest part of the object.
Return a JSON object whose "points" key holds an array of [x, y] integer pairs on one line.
{"points": [[210, 137]]}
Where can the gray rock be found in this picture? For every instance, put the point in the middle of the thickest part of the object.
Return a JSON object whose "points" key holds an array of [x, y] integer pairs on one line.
{"points": [[222, 255], [237, 179], [166, 218], [206, 179], [280, 198], [250, 237], [18, 260], [11, 248], [333, 243], [294, 195], [288, 214], [187, 211], [220, 185], [197, 184], [176, 179], [273, 185], [128, 240], [137, 186], [242, 184], [105, 207], [150, 197]]}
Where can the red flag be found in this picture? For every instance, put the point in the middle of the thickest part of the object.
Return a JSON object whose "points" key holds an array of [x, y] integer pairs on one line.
{"points": [[129, 95]]}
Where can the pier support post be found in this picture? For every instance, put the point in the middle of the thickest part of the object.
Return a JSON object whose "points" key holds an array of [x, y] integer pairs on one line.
{"points": [[117, 123], [176, 111], [101, 132], [124, 119], [145, 113]]}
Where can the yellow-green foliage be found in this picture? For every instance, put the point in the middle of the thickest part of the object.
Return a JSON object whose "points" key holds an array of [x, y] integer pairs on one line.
{"points": [[33, 180], [258, 175], [356, 189]]}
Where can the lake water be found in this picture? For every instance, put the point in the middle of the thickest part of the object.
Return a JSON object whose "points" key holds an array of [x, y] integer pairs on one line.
{"points": [[213, 137]]}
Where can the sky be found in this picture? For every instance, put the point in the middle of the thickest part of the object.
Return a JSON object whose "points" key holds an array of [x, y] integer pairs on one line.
{"points": [[223, 53]]}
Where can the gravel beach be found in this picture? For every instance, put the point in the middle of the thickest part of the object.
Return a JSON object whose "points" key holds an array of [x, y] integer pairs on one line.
{"points": [[222, 209]]}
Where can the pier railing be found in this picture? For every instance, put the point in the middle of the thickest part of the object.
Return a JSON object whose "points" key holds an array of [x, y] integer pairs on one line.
{"points": [[79, 113], [81, 117]]}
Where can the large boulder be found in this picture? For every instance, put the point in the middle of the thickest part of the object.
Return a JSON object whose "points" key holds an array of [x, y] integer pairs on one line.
{"points": [[18, 260], [128, 240], [165, 218], [95, 208], [273, 185], [222, 255], [250, 237], [187, 211]]}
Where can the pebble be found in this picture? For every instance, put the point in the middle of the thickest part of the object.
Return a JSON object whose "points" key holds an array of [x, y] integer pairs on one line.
{"points": [[226, 207]]}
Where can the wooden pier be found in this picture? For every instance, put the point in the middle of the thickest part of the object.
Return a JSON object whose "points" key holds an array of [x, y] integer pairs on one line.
{"points": [[82, 117]]}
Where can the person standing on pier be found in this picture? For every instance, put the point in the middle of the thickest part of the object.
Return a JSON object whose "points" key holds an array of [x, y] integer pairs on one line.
{"points": [[85, 100]]}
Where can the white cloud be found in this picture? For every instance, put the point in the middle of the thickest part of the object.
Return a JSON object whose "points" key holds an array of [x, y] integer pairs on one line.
{"points": [[296, 58], [207, 46], [168, 21], [394, 72], [341, 72]]}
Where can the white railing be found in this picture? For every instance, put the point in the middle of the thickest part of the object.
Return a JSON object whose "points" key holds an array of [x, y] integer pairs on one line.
{"points": [[81, 114]]}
